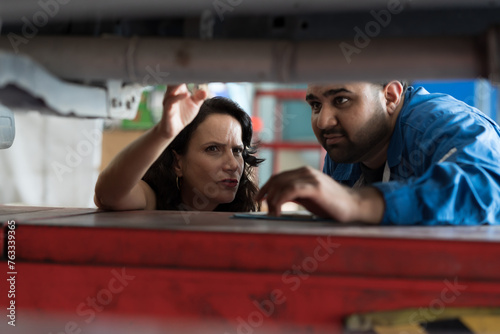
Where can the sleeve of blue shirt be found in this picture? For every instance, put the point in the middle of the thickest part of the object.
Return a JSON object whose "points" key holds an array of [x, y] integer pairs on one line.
{"points": [[455, 176]]}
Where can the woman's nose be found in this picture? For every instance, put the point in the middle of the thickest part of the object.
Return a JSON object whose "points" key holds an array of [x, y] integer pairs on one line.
{"points": [[231, 162]]}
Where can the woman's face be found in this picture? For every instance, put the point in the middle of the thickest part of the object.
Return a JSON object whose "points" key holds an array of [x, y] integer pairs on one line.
{"points": [[212, 167]]}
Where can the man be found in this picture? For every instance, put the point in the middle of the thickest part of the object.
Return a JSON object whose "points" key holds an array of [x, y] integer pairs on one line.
{"points": [[395, 156]]}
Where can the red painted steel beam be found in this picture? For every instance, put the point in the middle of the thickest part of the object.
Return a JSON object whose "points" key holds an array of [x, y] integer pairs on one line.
{"points": [[335, 255], [315, 301], [283, 94], [3, 231], [281, 282], [290, 146]]}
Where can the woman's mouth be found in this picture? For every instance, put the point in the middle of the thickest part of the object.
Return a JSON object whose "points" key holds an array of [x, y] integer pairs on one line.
{"points": [[231, 183]]}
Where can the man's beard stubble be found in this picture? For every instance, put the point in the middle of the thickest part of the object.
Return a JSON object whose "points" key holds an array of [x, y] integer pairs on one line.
{"points": [[357, 147]]}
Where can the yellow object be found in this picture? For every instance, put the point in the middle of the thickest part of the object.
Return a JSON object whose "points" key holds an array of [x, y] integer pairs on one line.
{"points": [[482, 324], [399, 329]]}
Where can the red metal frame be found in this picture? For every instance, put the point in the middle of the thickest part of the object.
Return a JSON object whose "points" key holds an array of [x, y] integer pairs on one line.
{"points": [[278, 144], [283, 94], [282, 282]]}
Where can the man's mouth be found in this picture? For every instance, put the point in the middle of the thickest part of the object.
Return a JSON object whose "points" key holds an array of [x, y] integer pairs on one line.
{"points": [[331, 139]]}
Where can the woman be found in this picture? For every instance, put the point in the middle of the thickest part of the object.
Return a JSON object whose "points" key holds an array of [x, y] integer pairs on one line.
{"points": [[198, 157]]}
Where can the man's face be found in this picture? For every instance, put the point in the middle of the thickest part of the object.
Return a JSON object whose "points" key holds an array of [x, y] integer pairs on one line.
{"points": [[349, 120]]}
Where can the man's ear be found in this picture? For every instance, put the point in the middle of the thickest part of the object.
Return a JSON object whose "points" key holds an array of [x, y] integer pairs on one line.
{"points": [[392, 94], [177, 164]]}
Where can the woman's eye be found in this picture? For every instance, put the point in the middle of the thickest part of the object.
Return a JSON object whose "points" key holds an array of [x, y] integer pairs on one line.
{"points": [[212, 148], [238, 150], [340, 100]]}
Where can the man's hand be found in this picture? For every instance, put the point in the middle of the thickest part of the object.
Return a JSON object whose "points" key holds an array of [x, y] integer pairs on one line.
{"points": [[323, 196], [179, 109]]}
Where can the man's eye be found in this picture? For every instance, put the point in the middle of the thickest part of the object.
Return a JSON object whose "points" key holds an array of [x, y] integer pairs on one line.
{"points": [[238, 150], [315, 106], [340, 100]]}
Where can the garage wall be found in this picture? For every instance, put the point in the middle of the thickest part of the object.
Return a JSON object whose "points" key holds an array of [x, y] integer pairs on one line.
{"points": [[54, 161]]}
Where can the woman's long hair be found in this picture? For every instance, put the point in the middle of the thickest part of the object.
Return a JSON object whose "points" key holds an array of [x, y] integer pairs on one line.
{"points": [[161, 176]]}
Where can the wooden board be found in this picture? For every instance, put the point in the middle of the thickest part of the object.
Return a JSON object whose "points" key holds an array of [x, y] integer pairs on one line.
{"points": [[31, 213], [223, 222]]}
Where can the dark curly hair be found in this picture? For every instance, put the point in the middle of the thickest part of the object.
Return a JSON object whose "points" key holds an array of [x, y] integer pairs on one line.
{"points": [[161, 176]]}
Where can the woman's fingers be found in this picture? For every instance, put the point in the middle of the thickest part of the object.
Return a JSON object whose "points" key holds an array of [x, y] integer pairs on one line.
{"points": [[176, 93], [174, 89], [171, 100], [199, 96]]}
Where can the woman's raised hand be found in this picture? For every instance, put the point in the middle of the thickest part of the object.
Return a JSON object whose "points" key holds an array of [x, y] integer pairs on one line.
{"points": [[180, 107]]}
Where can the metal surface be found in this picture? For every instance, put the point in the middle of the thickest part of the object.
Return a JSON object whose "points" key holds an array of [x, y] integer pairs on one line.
{"points": [[213, 246], [7, 127], [221, 222], [158, 60], [122, 100], [25, 85], [159, 42], [14, 10], [255, 41], [494, 54], [325, 25]]}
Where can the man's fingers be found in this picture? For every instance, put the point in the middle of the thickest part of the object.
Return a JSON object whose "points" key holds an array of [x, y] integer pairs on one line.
{"points": [[268, 190], [275, 182], [262, 192], [276, 200], [283, 195], [304, 186], [274, 211], [278, 182]]}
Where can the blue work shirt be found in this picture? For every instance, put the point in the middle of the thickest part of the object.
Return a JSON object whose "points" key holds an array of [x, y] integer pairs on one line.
{"points": [[444, 162]]}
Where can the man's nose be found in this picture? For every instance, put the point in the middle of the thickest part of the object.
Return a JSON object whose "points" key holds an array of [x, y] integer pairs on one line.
{"points": [[326, 118]]}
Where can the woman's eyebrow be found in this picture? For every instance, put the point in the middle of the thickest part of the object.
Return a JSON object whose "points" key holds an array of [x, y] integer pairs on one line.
{"points": [[213, 143], [220, 144]]}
